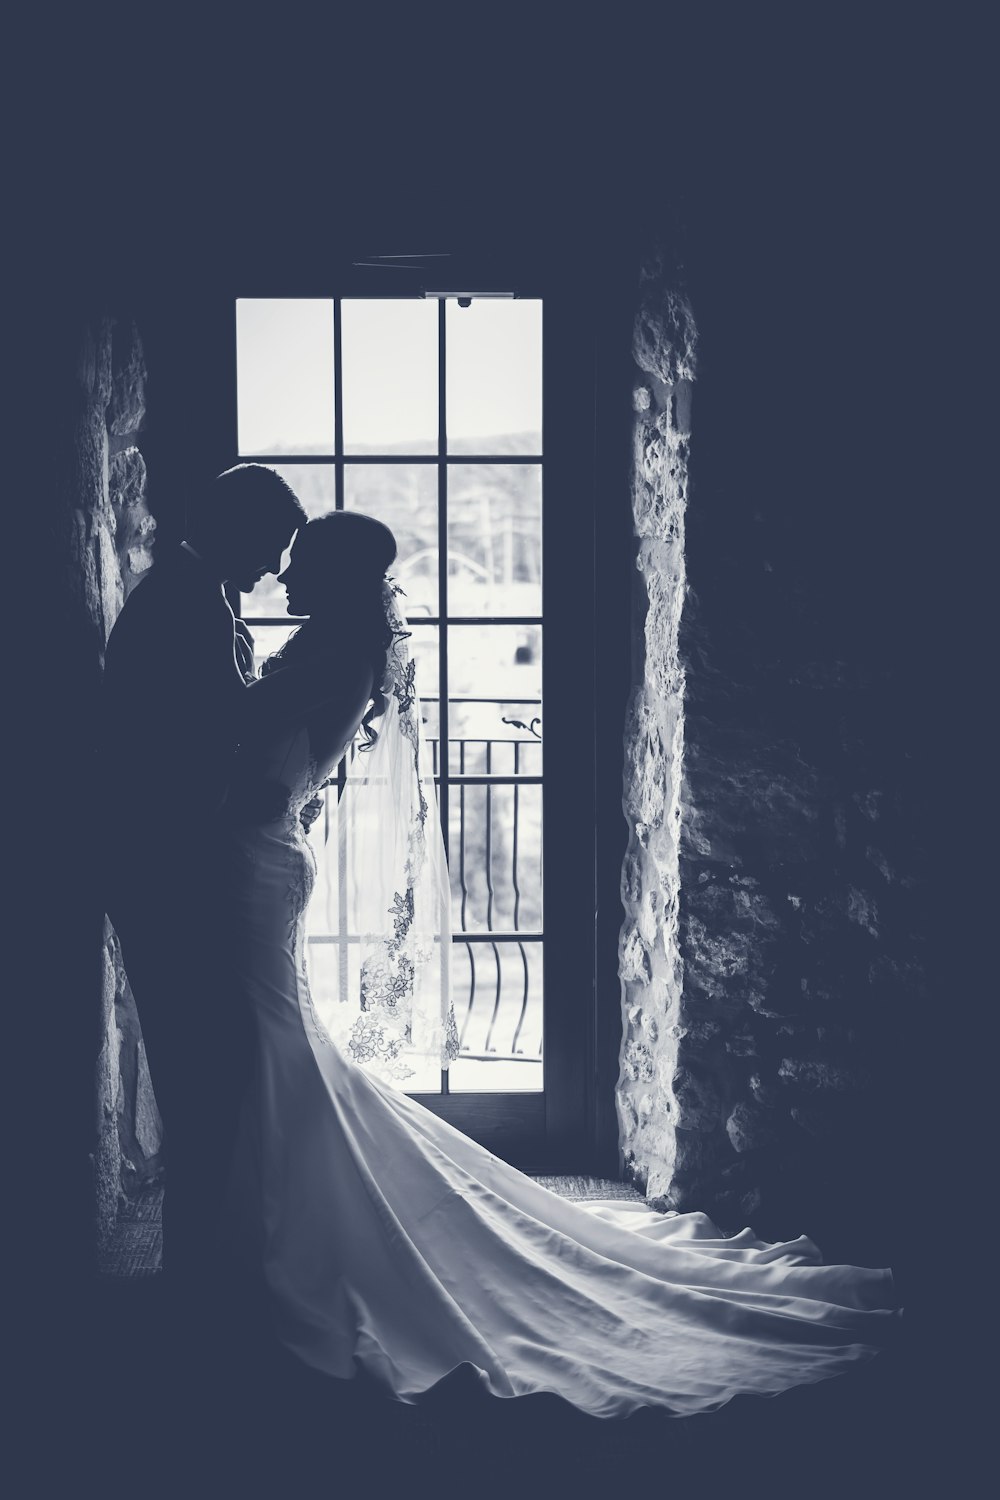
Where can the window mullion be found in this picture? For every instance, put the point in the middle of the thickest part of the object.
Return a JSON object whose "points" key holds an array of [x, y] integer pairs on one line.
{"points": [[443, 731], [338, 480], [338, 405]]}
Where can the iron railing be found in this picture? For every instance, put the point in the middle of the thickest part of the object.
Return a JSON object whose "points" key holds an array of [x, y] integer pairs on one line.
{"points": [[495, 869]]}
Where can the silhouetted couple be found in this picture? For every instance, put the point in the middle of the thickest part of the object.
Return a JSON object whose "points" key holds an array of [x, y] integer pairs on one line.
{"points": [[382, 1238]]}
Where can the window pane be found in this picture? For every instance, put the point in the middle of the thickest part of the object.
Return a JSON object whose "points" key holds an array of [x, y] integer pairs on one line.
{"points": [[494, 376], [315, 486], [423, 646], [404, 497], [490, 737], [496, 661], [495, 539], [502, 665], [500, 1051], [496, 884], [284, 374], [390, 373]]}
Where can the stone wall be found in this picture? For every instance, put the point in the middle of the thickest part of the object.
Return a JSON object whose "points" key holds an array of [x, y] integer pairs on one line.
{"points": [[771, 954], [653, 1090], [109, 530]]}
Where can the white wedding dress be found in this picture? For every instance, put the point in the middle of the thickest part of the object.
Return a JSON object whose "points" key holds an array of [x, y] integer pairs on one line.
{"points": [[392, 1243]]}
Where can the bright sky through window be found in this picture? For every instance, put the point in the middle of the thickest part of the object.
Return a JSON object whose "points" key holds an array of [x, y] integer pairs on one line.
{"points": [[494, 374], [390, 361], [285, 373]]}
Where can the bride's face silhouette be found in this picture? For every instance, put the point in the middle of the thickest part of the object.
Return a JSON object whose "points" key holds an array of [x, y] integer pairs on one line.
{"points": [[311, 578], [336, 559]]}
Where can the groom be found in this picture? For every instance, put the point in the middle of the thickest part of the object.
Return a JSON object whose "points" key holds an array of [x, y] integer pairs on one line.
{"points": [[177, 668]]}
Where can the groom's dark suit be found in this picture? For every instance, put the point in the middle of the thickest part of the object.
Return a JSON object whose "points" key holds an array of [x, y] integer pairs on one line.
{"points": [[172, 689]]}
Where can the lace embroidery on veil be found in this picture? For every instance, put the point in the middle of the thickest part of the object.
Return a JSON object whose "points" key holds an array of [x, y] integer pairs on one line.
{"points": [[404, 983], [393, 1010]]}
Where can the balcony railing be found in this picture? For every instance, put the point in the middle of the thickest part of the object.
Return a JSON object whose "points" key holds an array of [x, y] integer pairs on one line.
{"points": [[495, 863]]}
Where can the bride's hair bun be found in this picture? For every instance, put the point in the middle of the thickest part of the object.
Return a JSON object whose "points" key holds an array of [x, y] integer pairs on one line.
{"points": [[352, 544]]}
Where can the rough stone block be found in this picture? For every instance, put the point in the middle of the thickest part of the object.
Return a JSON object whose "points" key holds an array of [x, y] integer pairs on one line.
{"points": [[815, 1075], [750, 1127], [127, 407], [147, 1125], [863, 911], [637, 1061], [634, 965], [664, 339], [140, 560], [134, 525], [763, 1091], [110, 587], [107, 1157], [698, 1101], [741, 1044], [127, 482]]}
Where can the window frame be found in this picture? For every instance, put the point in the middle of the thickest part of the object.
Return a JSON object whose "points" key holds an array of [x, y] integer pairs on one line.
{"points": [[552, 1129]]}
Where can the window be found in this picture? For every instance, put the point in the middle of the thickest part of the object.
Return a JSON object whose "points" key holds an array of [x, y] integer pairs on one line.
{"points": [[428, 415]]}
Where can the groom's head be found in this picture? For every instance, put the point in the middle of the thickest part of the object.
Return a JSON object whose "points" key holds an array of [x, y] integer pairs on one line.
{"points": [[244, 520]]}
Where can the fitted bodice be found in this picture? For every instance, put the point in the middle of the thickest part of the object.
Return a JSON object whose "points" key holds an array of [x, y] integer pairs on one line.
{"points": [[292, 763], [288, 761]]}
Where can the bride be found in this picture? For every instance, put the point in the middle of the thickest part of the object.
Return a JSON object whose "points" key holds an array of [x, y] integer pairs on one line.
{"points": [[388, 1241]]}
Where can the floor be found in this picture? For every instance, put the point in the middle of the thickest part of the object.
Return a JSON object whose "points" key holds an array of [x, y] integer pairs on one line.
{"points": [[153, 1410]]}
